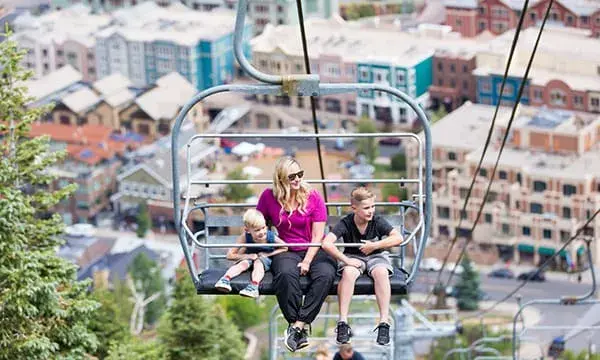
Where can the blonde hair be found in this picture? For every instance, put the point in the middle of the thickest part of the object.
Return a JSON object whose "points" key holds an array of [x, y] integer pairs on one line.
{"points": [[254, 218], [322, 350], [359, 194], [282, 190], [345, 348]]}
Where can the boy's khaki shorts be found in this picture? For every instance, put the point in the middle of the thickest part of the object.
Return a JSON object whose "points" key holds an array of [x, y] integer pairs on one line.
{"points": [[370, 262]]}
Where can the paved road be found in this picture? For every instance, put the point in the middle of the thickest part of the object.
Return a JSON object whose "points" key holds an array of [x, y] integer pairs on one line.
{"points": [[550, 315]]}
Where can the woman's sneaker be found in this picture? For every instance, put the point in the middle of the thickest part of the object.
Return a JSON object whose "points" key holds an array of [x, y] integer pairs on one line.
{"points": [[383, 333], [292, 338], [344, 332], [250, 291], [223, 285]]}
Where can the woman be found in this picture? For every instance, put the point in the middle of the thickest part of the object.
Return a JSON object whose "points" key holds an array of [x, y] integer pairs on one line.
{"points": [[299, 214]]}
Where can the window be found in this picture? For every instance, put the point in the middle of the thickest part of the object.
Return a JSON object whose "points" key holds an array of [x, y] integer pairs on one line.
{"points": [[400, 80], [481, 10], [452, 156], [485, 85], [441, 82], [488, 218], [595, 102], [569, 190], [584, 20], [351, 107], [538, 94], [539, 186], [558, 97], [59, 53], [532, 16], [444, 212], [452, 83], [463, 214], [509, 89], [458, 22], [364, 75], [483, 172], [505, 229], [465, 85], [536, 208], [482, 26], [578, 100], [452, 68], [519, 179], [547, 234], [503, 175], [565, 236], [526, 231], [440, 66], [465, 69], [566, 212], [570, 20]]}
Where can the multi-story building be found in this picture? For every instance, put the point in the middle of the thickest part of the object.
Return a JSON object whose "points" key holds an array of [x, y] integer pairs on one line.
{"points": [[472, 17], [105, 5], [283, 12], [546, 187], [60, 38], [343, 53], [149, 41], [92, 163], [564, 74]]}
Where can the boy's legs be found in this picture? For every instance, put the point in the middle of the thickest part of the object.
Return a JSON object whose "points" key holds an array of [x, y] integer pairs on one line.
{"points": [[238, 268], [259, 272], [383, 291], [346, 290]]}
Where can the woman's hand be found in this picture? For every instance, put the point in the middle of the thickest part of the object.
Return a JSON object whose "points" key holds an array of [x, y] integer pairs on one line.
{"points": [[304, 267]]}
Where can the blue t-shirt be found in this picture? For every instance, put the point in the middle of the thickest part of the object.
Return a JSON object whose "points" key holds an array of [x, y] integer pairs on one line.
{"points": [[265, 249]]}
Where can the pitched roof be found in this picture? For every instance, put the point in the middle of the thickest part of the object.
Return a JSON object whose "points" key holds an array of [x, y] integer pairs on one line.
{"points": [[112, 84], [81, 100], [53, 82], [172, 91]]}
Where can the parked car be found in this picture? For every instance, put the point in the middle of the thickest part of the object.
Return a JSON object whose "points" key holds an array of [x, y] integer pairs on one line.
{"points": [[430, 264], [459, 268], [390, 141], [541, 277], [502, 273]]}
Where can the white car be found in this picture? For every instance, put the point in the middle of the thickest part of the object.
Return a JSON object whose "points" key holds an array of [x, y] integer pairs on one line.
{"points": [[459, 268], [430, 264]]}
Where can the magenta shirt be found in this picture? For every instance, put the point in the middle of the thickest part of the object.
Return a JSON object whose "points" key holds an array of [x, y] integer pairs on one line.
{"points": [[296, 228]]}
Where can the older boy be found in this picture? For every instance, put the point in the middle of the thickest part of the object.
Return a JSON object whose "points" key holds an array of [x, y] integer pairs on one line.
{"points": [[363, 226]]}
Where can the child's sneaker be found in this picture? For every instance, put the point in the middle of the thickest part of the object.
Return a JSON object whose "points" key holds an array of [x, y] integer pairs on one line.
{"points": [[383, 333], [223, 285], [250, 291]]}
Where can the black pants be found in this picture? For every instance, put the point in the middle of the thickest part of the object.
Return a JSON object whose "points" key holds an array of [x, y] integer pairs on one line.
{"points": [[286, 277]]}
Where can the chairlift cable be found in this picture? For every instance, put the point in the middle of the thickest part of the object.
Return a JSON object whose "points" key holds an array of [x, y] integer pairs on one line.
{"points": [[313, 99], [505, 137]]}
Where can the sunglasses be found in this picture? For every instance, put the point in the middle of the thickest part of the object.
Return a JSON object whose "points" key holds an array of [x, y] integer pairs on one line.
{"points": [[299, 174]]}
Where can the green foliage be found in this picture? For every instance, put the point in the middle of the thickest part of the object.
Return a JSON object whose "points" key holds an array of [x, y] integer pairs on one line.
{"points": [[108, 322], [583, 355], [392, 190], [399, 162], [467, 287], [471, 333], [237, 192], [439, 114], [148, 280], [241, 311], [367, 146], [357, 11], [136, 349], [143, 220], [196, 329], [44, 311]]}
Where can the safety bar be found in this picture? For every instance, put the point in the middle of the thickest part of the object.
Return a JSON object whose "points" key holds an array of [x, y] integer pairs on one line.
{"points": [[565, 300], [425, 195]]}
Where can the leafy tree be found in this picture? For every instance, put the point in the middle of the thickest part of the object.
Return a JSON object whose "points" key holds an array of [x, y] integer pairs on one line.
{"points": [[44, 311], [237, 192], [367, 146], [467, 287], [136, 349], [143, 220], [196, 329], [108, 322], [243, 312], [399, 162], [148, 280]]}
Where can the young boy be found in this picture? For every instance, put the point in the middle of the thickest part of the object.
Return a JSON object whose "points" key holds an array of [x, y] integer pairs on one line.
{"points": [[255, 232], [363, 226]]}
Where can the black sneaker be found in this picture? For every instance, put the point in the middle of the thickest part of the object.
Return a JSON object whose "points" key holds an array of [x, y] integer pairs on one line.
{"points": [[292, 337], [344, 333], [303, 341], [383, 333]]}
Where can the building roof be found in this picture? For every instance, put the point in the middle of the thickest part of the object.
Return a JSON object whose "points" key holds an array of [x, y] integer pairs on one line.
{"points": [[148, 22], [461, 4], [465, 127], [116, 263], [355, 44], [53, 82], [165, 100], [112, 84], [81, 100]]}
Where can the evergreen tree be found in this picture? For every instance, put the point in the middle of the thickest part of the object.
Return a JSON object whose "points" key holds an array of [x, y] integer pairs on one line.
{"points": [[143, 220], [467, 287], [399, 162], [367, 146], [237, 192], [136, 349], [108, 322], [241, 311], [44, 311], [147, 277], [196, 329]]}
